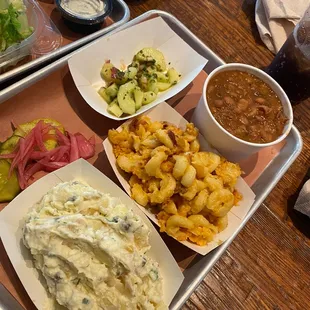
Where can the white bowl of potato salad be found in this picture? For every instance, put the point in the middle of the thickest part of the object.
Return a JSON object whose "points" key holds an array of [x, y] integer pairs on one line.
{"points": [[91, 248], [127, 73], [91, 245]]}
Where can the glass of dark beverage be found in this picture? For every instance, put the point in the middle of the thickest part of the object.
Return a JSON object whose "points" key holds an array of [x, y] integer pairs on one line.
{"points": [[291, 66]]}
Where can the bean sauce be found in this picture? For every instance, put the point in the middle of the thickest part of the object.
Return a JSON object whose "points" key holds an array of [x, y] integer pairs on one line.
{"points": [[246, 106]]}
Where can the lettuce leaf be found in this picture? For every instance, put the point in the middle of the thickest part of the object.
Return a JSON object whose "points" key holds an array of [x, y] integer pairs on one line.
{"points": [[14, 26]]}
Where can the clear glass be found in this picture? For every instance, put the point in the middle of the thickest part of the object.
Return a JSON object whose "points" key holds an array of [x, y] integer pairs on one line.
{"points": [[291, 66], [44, 39], [16, 52]]}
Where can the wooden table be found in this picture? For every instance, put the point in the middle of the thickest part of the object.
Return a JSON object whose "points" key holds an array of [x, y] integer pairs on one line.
{"points": [[268, 264]]}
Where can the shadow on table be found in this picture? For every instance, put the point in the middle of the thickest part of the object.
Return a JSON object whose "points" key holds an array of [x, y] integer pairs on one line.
{"points": [[301, 221], [248, 7]]}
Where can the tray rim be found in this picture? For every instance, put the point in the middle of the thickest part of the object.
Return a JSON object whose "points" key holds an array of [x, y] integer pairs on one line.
{"points": [[209, 260], [67, 48]]}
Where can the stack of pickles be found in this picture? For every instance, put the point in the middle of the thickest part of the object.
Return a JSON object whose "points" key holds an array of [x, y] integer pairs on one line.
{"points": [[9, 185]]}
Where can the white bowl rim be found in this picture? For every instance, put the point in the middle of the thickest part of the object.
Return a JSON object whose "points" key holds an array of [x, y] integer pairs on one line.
{"points": [[254, 70]]}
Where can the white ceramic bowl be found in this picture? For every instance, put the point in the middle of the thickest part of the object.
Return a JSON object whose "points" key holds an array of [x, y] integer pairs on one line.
{"points": [[231, 147]]}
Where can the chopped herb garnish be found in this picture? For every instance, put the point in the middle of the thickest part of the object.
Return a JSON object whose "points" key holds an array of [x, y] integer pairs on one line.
{"points": [[143, 261], [85, 301], [72, 198], [57, 277], [114, 219], [76, 281], [154, 274], [125, 226]]}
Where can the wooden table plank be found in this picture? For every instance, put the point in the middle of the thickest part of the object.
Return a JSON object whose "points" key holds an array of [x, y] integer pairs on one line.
{"points": [[259, 271], [267, 266]]}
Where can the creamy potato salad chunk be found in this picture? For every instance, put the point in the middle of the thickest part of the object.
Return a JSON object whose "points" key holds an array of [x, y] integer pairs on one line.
{"points": [[91, 249]]}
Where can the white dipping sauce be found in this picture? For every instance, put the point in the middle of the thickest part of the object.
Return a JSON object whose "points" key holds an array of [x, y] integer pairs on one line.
{"points": [[86, 8]]}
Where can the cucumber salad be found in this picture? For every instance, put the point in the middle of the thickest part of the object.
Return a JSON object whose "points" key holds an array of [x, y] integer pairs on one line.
{"points": [[127, 91]]}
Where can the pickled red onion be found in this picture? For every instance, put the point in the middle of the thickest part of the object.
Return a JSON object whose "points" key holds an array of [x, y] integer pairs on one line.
{"points": [[31, 156]]}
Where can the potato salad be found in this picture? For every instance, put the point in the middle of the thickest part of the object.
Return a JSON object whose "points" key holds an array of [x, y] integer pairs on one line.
{"points": [[91, 249]]}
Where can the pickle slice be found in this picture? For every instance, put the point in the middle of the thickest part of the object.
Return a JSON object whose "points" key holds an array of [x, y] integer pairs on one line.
{"points": [[9, 187], [24, 129], [9, 145]]}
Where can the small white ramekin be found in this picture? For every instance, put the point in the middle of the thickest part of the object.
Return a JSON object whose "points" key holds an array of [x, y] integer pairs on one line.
{"points": [[233, 148]]}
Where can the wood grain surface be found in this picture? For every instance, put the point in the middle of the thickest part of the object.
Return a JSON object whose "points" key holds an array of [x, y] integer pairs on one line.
{"points": [[268, 264]]}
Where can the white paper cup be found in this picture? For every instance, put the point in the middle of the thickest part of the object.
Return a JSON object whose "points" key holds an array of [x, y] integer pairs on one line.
{"points": [[231, 147]]}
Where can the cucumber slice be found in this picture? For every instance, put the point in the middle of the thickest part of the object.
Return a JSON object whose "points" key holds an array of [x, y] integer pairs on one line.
{"points": [[134, 64], [162, 77], [138, 95], [106, 72], [112, 90], [9, 187], [152, 86], [102, 92], [114, 101], [115, 109], [150, 54], [124, 98], [132, 72], [163, 86], [148, 97], [121, 77], [173, 76]]}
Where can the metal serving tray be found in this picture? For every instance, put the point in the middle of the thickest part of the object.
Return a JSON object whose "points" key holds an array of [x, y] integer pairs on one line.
{"points": [[196, 271], [120, 15]]}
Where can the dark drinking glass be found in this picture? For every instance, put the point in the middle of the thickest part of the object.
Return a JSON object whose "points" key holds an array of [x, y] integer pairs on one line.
{"points": [[291, 66]]}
